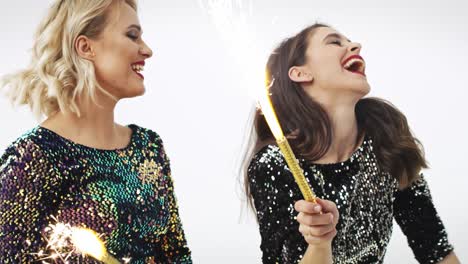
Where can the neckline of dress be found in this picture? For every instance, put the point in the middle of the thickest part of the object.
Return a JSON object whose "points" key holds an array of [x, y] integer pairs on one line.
{"points": [[67, 141]]}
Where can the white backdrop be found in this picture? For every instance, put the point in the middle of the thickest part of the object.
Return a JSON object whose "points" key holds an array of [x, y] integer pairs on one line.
{"points": [[416, 52]]}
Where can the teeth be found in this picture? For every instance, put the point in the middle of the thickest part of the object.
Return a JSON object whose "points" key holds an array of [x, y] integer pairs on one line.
{"points": [[351, 62], [138, 67], [356, 60]]}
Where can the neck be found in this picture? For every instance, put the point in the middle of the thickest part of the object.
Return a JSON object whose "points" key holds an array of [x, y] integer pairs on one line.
{"points": [[341, 112], [95, 127], [97, 119]]}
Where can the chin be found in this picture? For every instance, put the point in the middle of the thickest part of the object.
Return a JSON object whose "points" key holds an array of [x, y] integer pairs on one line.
{"points": [[361, 87], [133, 93], [364, 90], [139, 92]]}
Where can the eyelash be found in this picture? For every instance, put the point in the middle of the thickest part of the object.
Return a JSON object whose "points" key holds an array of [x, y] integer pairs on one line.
{"points": [[132, 37], [336, 42]]}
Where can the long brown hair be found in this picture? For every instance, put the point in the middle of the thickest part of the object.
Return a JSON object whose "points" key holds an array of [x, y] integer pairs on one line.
{"points": [[309, 127]]}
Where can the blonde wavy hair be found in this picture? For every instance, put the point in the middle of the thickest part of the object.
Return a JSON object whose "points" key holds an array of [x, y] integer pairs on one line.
{"points": [[57, 75]]}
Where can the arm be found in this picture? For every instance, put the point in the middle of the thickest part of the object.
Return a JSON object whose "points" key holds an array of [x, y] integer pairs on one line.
{"points": [[318, 255], [173, 244], [271, 206], [415, 213], [29, 187], [274, 192], [450, 259]]}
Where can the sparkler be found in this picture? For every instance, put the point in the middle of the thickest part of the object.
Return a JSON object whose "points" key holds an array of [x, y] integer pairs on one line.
{"points": [[58, 242], [65, 240], [230, 18], [88, 242], [272, 121]]}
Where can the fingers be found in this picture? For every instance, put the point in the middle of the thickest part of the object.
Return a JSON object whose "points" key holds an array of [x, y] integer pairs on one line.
{"points": [[316, 230], [329, 206], [321, 205], [307, 207], [320, 240], [315, 219]]}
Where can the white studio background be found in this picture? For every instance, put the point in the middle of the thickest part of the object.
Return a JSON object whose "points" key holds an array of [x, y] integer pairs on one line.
{"points": [[416, 53]]}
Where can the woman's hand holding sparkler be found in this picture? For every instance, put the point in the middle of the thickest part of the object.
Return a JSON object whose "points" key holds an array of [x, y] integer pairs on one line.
{"points": [[318, 226], [317, 221]]}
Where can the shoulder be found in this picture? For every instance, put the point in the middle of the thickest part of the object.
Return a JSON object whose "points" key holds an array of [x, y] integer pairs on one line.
{"points": [[25, 149], [269, 154], [29, 141], [149, 142], [146, 134], [268, 160], [367, 145]]}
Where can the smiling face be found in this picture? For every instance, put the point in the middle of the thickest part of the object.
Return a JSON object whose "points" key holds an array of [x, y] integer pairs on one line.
{"points": [[334, 66], [120, 53]]}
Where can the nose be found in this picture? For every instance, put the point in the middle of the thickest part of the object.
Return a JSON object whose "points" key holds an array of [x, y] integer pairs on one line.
{"points": [[146, 51], [355, 47]]}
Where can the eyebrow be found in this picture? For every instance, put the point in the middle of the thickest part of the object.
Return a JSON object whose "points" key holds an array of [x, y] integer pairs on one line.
{"points": [[138, 27], [335, 35]]}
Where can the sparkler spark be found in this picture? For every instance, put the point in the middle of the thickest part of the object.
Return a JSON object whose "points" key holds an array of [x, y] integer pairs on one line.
{"points": [[231, 19], [65, 241], [58, 243]]}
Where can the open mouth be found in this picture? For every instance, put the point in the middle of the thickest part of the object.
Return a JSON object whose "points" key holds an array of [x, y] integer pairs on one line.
{"points": [[138, 67], [355, 64]]}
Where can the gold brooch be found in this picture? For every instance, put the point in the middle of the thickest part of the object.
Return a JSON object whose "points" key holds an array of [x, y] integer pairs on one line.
{"points": [[149, 172]]}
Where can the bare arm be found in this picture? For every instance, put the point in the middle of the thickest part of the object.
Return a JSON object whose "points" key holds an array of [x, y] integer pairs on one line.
{"points": [[450, 259], [319, 255]]}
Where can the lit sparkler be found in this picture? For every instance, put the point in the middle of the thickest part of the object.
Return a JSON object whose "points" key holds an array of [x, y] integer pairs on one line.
{"points": [[65, 240], [270, 116], [87, 242], [230, 18]]}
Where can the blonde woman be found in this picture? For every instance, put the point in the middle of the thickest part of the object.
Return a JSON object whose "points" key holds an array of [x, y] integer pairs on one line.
{"points": [[79, 167]]}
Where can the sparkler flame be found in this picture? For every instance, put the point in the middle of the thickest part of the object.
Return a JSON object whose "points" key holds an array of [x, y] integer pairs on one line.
{"points": [[65, 240], [58, 243], [87, 242], [230, 18]]}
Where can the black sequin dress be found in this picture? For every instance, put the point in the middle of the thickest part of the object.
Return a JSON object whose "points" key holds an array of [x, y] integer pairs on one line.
{"points": [[125, 195], [367, 199]]}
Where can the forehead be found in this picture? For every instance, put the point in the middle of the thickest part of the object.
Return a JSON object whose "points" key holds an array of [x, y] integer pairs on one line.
{"points": [[122, 15], [321, 33]]}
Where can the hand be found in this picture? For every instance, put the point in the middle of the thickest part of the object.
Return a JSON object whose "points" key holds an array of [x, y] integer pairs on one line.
{"points": [[317, 221]]}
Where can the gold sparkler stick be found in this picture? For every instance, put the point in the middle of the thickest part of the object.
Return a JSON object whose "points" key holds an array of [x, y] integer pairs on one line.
{"points": [[272, 121]]}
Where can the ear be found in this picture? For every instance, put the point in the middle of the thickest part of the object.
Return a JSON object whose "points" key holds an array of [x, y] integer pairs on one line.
{"points": [[299, 74], [84, 48]]}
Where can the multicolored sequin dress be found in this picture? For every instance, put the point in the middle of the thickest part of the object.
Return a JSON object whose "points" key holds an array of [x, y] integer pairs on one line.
{"points": [[126, 195], [367, 199]]}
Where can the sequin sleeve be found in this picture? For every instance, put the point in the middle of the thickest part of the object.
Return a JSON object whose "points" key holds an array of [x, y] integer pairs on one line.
{"points": [[419, 221], [29, 187], [172, 247], [270, 186]]}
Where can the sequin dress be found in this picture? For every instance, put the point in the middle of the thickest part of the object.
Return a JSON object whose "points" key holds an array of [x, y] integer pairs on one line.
{"points": [[367, 199], [125, 195]]}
